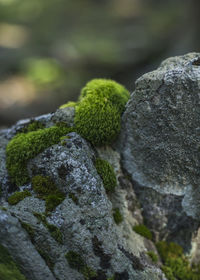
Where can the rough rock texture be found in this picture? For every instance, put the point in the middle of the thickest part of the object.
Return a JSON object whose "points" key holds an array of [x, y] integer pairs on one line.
{"points": [[84, 225], [160, 143]]}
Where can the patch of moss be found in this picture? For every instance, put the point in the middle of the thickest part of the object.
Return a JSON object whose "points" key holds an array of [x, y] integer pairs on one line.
{"points": [[73, 197], [107, 174], [98, 114], [47, 259], [8, 268], [153, 256], [54, 231], [29, 229], [176, 264], [3, 208], [118, 218], [25, 146], [68, 104], [32, 126], [47, 190], [143, 231], [75, 261], [18, 196]]}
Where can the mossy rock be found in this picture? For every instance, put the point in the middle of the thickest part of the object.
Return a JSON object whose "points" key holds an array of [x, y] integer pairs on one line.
{"points": [[18, 196], [25, 146], [118, 218], [143, 231]]}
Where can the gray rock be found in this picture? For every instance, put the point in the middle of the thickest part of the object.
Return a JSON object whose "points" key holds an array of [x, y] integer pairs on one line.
{"points": [[159, 144]]}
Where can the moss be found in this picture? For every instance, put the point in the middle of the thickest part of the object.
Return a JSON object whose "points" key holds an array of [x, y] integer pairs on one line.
{"points": [[54, 231], [32, 126], [114, 92], [153, 256], [176, 265], [47, 190], [3, 208], [68, 104], [107, 174], [75, 261], [143, 230], [73, 197], [8, 268], [47, 259], [29, 230], [118, 218], [23, 147], [98, 114], [18, 196]]}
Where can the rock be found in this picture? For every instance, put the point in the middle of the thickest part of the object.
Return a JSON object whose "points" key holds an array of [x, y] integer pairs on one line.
{"points": [[159, 145], [39, 240]]}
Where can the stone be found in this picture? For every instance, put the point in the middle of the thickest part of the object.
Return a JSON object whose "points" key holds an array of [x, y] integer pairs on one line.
{"points": [[159, 146]]}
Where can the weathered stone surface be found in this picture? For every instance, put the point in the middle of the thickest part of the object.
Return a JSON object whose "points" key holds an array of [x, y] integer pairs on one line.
{"points": [[86, 225], [159, 144]]}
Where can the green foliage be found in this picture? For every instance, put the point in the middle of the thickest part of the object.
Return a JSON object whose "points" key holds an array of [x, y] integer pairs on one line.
{"points": [[143, 230], [98, 114], [47, 190], [23, 147], [176, 265], [8, 268], [153, 256], [118, 218], [75, 261], [107, 174], [18, 196], [68, 104]]}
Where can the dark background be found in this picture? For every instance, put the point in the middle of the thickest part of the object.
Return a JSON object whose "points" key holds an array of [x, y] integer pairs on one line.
{"points": [[49, 49]]}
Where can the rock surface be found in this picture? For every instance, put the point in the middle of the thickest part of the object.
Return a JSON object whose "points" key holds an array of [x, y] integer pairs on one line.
{"points": [[84, 222], [159, 144]]}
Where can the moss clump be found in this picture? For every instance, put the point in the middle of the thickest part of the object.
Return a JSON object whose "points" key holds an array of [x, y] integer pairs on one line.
{"points": [[47, 190], [143, 230], [68, 104], [32, 126], [8, 268], [23, 147], [176, 265], [118, 218], [98, 114], [75, 261], [107, 174], [18, 196], [74, 198], [153, 256], [54, 231], [29, 229]]}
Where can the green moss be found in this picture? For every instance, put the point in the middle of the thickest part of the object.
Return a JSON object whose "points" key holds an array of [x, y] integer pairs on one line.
{"points": [[23, 147], [8, 268], [68, 104], [153, 256], [29, 229], [47, 190], [114, 92], [111, 278], [32, 126], [118, 218], [75, 261], [54, 231], [176, 265], [98, 114], [107, 174], [47, 259], [73, 197], [18, 196], [143, 230]]}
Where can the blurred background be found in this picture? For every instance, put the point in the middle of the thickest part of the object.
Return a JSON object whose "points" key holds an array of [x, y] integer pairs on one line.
{"points": [[49, 49]]}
